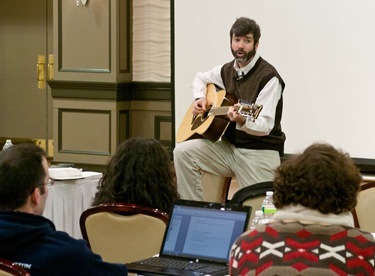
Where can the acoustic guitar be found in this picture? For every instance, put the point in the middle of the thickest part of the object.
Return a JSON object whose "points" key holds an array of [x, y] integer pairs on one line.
{"points": [[213, 123]]}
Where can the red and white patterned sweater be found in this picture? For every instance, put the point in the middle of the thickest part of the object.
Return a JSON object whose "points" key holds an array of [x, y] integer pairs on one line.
{"points": [[294, 248]]}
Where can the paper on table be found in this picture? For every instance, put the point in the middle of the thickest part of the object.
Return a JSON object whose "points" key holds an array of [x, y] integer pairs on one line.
{"points": [[65, 173]]}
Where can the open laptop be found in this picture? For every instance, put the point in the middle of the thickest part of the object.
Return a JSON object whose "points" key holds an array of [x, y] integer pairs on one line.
{"points": [[197, 239]]}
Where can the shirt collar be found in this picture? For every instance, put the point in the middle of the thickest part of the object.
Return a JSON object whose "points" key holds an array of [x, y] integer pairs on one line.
{"points": [[247, 68]]}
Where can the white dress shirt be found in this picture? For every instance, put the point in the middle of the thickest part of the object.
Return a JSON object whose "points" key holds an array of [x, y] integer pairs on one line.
{"points": [[268, 97]]}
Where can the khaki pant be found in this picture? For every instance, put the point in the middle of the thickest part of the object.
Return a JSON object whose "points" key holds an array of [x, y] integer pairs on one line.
{"points": [[193, 157]]}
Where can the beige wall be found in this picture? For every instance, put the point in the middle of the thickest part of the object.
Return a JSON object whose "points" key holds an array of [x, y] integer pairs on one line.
{"points": [[151, 40]]}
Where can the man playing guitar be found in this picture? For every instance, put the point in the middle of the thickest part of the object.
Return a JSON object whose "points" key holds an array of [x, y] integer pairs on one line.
{"points": [[248, 149]]}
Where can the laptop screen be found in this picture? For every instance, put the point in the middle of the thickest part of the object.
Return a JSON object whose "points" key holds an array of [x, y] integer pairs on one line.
{"points": [[204, 230]]}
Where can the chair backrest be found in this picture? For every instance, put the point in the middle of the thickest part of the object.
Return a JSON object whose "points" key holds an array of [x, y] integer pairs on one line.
{"points": [[252, 195], [365, 207], [8, 268], [123, 233]]}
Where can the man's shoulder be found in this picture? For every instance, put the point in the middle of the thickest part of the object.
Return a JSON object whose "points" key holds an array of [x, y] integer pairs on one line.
{"points": [[73, 255], [265, 65]]}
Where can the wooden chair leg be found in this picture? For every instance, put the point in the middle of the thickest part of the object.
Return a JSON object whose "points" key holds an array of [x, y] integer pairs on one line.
{"points": [[224, 195], [355, 218]]}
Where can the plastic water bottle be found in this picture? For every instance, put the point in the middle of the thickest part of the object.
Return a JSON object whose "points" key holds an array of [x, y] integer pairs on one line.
{"points": [[8, 144], [268, 207], [257, 220]]}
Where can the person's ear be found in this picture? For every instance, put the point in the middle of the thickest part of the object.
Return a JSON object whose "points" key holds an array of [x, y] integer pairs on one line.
{"points": [[256, 46], [35, 196]]}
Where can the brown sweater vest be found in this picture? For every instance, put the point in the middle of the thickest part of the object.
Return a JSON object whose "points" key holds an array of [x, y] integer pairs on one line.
{"points": [[247, 90]]}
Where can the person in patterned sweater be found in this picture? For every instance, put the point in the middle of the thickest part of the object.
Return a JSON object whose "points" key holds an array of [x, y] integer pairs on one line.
{"points": [[312, 232]]}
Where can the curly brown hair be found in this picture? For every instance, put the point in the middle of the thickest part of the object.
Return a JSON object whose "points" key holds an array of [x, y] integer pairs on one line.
{"points": [[243, 26], [141, 172], [321, 178]]}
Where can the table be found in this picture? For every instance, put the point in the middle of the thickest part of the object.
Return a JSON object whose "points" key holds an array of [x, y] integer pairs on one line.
{"points": [[67, 199]]}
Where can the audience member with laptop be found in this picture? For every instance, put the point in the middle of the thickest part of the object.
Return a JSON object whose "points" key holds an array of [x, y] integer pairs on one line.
{"points": [[141, 172], [27, 238], [197, 239], [312, 232]]}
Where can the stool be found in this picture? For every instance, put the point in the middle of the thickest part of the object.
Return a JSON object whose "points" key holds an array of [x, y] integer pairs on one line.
{"points": [[215, 187]]}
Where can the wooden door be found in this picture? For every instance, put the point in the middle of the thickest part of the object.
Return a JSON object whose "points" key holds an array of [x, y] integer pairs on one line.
{"points": [[25, 33]]}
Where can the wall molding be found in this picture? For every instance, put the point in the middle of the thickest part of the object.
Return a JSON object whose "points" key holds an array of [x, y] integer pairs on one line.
{"points": [[140, 91]]}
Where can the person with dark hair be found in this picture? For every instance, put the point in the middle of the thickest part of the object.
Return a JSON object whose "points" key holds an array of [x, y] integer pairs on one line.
{"points": [[141, 172], [26, 237], [312, 232], [249, 148]]}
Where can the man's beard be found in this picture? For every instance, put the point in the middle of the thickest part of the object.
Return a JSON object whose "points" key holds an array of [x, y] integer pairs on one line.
{"points": [[247, 57]]}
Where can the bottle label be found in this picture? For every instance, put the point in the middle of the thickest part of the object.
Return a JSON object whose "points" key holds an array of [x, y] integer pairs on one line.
{"points": [[269, 210]]}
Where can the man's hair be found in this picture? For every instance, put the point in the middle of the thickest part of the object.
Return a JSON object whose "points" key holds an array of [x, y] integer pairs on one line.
{"points": [[21, 171], [243, 26], [321, 178], [141, 172]]}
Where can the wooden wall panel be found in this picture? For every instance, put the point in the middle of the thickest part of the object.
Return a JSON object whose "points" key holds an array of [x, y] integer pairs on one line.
{"points": [[92, 42], [85, 37], [76, 137], [88, 131]]}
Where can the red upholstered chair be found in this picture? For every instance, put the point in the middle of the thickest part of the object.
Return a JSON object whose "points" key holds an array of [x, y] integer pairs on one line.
{"points": [[122, 232], [8, 268]]}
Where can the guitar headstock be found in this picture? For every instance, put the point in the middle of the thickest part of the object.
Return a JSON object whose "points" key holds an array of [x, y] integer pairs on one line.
{"points": [[250, 110]]}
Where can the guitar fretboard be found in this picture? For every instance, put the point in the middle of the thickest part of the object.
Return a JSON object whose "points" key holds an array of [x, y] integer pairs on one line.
{"points": [[217, 111]]}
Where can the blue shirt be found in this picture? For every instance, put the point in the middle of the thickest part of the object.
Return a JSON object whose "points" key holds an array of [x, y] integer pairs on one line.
{"points": [[33, 243]]}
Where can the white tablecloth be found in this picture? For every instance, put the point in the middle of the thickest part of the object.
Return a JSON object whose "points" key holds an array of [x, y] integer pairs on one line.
{"points": [[67, 199]]}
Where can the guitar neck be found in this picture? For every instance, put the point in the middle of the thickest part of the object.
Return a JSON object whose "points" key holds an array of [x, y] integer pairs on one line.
{"points": [[251, 111], [217, 111]]}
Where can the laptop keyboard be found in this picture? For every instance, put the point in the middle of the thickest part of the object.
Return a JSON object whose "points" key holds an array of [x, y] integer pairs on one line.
{"points": [[182, 265]]}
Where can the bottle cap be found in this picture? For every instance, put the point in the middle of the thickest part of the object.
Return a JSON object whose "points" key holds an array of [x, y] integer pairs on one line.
{"points": [[8, 141], [269, 193]]}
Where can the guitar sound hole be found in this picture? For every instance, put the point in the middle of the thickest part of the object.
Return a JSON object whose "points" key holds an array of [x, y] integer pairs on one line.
{"points": [[205, 115]]}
